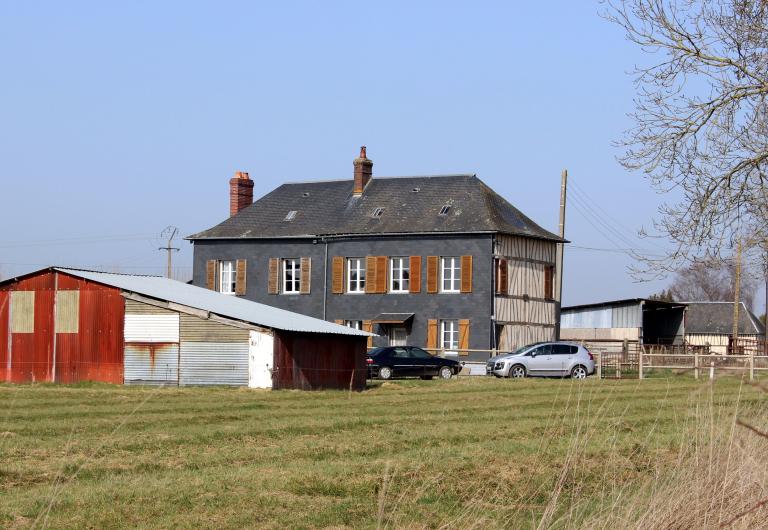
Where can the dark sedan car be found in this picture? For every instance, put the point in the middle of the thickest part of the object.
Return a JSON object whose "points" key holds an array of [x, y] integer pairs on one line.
{"points": [[409, 361]]}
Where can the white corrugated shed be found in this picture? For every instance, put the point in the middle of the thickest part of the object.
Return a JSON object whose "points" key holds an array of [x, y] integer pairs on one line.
{"points": [[214, 302]]}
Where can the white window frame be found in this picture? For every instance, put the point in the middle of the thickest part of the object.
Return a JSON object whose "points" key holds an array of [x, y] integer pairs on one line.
{"points": [[357, 286], [450, 270], [354, 324], [227, 276], [403, 276], [292, 286], [449, 334]]}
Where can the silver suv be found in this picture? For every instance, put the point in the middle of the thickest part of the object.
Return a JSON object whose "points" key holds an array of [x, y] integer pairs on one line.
{"points": [[559, 359]]}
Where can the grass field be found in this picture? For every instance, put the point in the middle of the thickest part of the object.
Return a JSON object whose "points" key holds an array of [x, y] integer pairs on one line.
{"points": [[475, 452]]}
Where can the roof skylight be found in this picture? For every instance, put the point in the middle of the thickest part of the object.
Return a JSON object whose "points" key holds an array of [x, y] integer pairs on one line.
{"points": [[445, 209], [290, 216], [377, 212]]}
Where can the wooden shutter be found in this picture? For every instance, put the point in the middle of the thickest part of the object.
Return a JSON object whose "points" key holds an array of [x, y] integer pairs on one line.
{"points": [[382, 274], [306, 275], [549, 273], [240, 278], [210, 274], [502, 276], [337, 275], [368, 326], [432, 274], [432, 335], [466, 274], [370, 274], [274, 274], [415, 274], [463, 337]]}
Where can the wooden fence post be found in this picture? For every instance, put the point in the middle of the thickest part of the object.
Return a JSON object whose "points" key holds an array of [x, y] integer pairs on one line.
{"points": [[599, 357], [752, 367], [640, 364], [711, 370], [696, 364]]}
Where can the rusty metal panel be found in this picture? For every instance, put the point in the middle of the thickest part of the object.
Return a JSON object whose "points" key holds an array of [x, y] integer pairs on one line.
{"points": [[137, 308], [196, 329], [152, 328], [212, 363], [22, 312], [309, 362], [151, 363], [5, 336], [67, 319]]}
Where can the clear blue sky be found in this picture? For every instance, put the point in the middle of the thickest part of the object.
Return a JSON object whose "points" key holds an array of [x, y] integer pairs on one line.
{"points": [[119, 119]]}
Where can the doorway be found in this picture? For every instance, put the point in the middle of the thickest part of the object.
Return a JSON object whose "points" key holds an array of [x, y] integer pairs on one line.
{"points": [[398, 336]]}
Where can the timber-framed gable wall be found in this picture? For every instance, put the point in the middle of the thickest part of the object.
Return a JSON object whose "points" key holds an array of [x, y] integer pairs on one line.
{"points": [[524, 303]]}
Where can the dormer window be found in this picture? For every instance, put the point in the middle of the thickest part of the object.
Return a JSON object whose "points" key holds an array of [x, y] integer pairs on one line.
{"points": [[290, 216], [377, 212], [445, 209]]}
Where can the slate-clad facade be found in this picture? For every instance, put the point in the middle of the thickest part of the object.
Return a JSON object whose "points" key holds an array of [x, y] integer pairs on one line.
{"points": [[292, 249]]}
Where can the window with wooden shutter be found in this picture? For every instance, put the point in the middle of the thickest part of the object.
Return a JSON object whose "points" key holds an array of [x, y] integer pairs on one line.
{"points": [[368, 326], [274, 272], [339, 322], [240, 278], [466, 274], [502, 276], [210, 274], [432, 335], [549, 276], [306, 275], [432, 262], [381, 274], [415, 271], [463, 337], [370, 274], [337, 275], [67, 312], [22, 311]]}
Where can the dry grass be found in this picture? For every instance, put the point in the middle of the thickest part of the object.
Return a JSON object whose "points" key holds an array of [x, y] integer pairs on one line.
{"points": [[473, 453]]}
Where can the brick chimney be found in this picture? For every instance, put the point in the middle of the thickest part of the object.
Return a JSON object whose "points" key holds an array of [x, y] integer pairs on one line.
{"points": [[363, 171], [240, 192]]}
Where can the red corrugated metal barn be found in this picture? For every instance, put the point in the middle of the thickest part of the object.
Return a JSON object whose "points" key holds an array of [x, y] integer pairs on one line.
{"points": [[67, 325]]}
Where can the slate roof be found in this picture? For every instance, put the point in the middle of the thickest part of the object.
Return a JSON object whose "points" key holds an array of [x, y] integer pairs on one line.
{"points": [[410, 205], [716, 318]]}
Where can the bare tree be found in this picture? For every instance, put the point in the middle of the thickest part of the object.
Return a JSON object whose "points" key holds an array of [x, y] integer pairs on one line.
{"points": [[712, 282], [700, 121]]}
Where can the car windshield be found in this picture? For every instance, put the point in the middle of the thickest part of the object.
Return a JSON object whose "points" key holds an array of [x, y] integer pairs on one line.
{"points": [[522, 349], [374, 352]]}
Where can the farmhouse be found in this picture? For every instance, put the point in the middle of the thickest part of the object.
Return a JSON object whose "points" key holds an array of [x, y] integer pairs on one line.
{"points": [[442, 262], [67, 325], [637, 320], [711, 324]]}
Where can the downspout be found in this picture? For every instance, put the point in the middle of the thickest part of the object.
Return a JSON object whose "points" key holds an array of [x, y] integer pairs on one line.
{"points": [[325, 278], [494, 338]]}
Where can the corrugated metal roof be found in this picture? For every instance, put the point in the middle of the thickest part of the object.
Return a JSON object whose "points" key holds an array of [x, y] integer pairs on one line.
{"points": [[221, 304]]}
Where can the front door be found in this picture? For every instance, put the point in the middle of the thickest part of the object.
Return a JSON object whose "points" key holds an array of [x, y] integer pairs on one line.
{"points": [[260, 360], [398, 336]]}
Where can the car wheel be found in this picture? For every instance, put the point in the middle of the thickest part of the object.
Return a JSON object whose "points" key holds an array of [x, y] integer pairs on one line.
{"points": [[446, 372], [385, 372], [517, 371], [579, 372]]}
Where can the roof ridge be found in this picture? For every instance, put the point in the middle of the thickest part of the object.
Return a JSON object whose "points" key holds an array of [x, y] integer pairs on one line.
{"points": [[376, 177]]}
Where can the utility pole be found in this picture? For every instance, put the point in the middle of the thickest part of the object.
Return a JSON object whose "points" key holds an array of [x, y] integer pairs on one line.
{"points": [[561, 250], [736, 292], [169, 232]]}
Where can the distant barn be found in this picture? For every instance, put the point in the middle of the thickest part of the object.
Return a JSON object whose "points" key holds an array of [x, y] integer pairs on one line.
{"points": [[68, 325]]}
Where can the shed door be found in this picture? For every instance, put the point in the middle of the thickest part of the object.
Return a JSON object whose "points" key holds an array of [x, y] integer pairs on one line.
{"points": [[260, 360]]}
